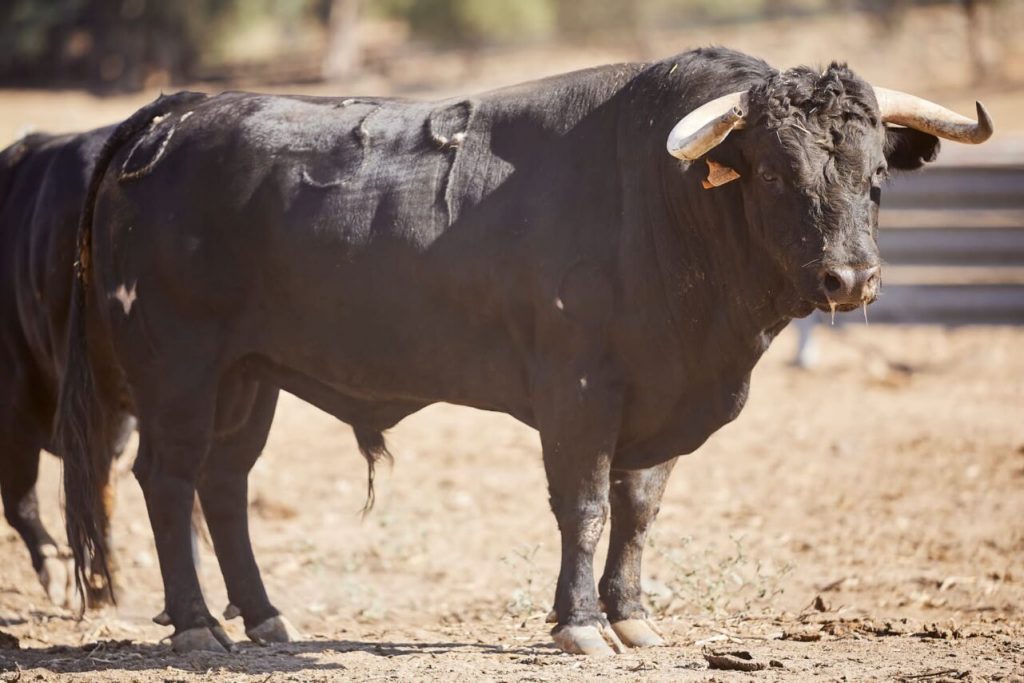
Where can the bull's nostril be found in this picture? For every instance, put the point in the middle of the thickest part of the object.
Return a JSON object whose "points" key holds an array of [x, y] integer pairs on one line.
{"points": [[832, 283]]}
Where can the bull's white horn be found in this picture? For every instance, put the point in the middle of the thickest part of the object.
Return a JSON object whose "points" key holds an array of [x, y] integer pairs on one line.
{"points": [[705, 127], [914, 112]]}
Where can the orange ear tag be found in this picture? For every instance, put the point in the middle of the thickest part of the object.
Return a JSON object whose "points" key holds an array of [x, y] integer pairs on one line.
{"points": [[718, 175]]}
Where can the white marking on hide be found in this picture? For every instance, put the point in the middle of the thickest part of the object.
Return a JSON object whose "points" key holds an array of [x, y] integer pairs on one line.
{"points": [[309, 180], [449, 143], [186, 115], [583, 382], [126, 297], [559, 304], [138, 173]]}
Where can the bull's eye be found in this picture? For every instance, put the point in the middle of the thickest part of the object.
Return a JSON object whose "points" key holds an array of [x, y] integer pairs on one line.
{"points": [[768, 176]]}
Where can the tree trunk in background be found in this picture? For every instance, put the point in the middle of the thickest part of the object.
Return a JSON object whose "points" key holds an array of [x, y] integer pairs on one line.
{"points": [[341, 58], [976, 40]]}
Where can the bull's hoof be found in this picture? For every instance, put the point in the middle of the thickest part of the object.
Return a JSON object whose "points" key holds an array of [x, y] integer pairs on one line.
{"points": [[202, 639], [638, 633], [588, 640], [274, 630]]}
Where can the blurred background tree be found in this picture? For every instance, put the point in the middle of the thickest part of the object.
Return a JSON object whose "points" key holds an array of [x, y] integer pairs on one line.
{"points": [[124, 45], [112, 44]]}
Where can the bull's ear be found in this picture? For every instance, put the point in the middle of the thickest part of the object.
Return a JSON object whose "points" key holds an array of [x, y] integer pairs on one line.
{"points": [[907, 149]]}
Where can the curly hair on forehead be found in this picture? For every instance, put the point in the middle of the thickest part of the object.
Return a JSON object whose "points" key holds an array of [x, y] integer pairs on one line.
{"points": [[825, 99]]}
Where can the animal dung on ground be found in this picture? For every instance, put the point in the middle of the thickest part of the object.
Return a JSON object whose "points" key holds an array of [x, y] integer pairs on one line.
{"points": [[735, 660]]}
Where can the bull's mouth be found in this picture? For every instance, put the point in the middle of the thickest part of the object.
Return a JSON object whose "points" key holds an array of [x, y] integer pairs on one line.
{"points": [[826, 305], [832, 306]]}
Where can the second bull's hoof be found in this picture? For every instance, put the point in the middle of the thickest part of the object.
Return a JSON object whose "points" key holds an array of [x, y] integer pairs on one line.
{"points": [[638, 633], [98, 592], [202, 639], [274, 630], [57, 575], [588, 640]]}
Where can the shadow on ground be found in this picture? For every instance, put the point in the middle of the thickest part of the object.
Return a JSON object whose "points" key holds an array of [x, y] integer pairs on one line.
{"points": [[127, 655]]}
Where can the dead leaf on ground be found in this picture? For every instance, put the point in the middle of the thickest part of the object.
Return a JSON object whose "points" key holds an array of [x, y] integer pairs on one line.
{"points": [[937, 632], [807, 635]]}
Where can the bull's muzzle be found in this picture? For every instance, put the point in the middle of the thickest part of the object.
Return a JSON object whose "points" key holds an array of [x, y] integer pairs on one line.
{"points": [[850, 286]]}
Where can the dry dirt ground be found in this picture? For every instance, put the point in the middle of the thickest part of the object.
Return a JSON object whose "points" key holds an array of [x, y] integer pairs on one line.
{"points": [[859, 521]]}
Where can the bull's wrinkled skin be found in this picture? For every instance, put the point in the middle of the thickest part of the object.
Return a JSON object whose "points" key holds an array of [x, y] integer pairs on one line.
{"points": [[531, 250]]}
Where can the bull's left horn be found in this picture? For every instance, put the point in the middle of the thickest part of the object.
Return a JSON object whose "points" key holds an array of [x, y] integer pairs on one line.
{"points": [[705, 127], [915, 112]]}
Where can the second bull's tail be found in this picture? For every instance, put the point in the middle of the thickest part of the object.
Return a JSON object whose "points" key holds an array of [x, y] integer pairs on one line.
{"points": [[81, 413]]}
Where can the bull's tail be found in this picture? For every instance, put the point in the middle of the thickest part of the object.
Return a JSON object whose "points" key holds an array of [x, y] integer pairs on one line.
{"points": [[81, 415], [372, 446]]}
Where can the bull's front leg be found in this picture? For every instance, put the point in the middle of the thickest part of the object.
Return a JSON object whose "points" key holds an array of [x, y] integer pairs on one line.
{"points": [[578, 421], [635, 498]]}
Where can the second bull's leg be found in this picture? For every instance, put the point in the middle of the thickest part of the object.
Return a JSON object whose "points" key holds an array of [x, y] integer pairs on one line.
{"points": [[19, 470], [98, 591]]}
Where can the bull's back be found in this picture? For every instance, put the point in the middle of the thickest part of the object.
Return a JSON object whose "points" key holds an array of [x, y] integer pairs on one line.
{"points": [[43, 179]]}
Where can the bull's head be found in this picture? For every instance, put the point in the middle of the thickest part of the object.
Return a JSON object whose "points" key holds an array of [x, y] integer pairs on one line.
{"points": [[814, 150]]}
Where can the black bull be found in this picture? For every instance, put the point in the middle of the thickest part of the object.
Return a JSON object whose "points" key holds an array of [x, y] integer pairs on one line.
{"points": [[532, 251], [43, 183]]}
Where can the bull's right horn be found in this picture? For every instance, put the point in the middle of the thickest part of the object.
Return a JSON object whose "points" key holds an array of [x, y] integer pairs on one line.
{"points": [[916, 112], [705, 127]]}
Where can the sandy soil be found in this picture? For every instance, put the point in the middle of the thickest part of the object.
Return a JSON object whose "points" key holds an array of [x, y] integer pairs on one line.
{"points": [[861, 521]]}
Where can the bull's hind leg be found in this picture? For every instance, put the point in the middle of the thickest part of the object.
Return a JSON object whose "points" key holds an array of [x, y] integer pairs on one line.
{"points": [[99, 591], [635, 497], [175, 436], [578, 439], [19, 470], [223, 492]]}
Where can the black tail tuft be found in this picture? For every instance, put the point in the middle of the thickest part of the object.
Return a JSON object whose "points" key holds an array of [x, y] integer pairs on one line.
{"points": [[80, 437], [372, 446], [81, 414]]}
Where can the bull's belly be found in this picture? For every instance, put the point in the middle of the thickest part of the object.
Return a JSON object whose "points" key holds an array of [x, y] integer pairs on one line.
{"points": [[375, 360]]}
